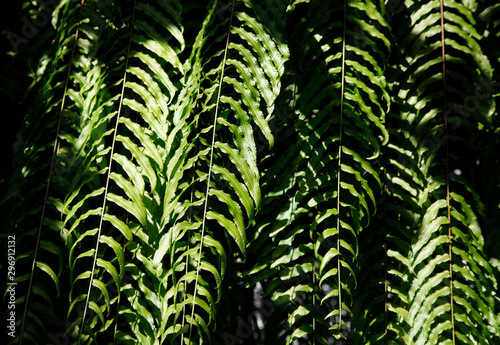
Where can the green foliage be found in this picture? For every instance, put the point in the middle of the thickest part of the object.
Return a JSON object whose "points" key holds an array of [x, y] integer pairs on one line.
{"points": [[302, 172]]}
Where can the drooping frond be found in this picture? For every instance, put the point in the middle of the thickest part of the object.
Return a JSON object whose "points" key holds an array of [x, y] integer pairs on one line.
{"points": [[322, 185], [433, 279]]}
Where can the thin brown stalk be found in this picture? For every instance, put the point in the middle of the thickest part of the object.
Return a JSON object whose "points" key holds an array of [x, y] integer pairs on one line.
{"points": [[339, 165], [49, 180], [209, 174], [450, 245], [108, 175]]}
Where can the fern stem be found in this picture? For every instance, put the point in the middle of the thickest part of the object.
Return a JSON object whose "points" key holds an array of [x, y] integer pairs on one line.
{"points": [[209, 173], [339, 165], [190, 215], [447, 170], [314, 239], [108, 176], [385, 246], [54, 154]]}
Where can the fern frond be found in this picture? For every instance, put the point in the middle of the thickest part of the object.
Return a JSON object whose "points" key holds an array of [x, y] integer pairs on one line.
{"points": [[435, 313], [310, 177]]}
